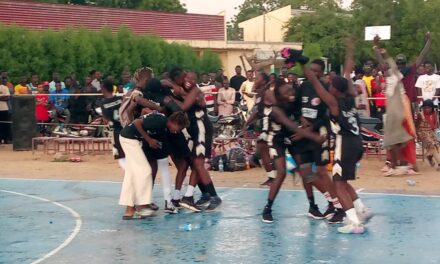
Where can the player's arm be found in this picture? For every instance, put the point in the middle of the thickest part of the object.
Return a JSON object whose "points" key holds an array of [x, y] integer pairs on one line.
{"points": [[425, 50], [147, 103], [138, 124], [189, 100], [349, 66], [325, 96]]}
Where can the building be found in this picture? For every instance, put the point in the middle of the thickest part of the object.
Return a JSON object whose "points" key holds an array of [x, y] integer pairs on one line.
{"points": [[271, 26], [202, 32]]}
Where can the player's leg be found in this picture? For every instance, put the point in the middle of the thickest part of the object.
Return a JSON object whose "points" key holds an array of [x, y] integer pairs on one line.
{"points": [[263, 150]]}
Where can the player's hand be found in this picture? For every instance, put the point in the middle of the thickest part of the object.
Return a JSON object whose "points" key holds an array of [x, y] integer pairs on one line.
{"points": [[376, 41], [305, 122], [428, 36], [166, 83], [154, 144]]}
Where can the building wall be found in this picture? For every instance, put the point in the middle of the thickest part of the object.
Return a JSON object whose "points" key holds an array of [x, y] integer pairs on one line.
{"points": [[275, 21]]}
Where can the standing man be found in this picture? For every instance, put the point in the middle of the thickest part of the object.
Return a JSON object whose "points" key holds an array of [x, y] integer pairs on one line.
{"points": [[126, 82], [247, 91], [283, 74], [236, 82], [55, 78], [22, 87], [96, 79], [33, 85], [428, 85], [4, 110], [410, 72], [208, 88], [59, 103]]}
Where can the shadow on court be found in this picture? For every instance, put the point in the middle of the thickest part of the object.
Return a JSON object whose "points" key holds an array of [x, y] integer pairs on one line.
{"points": [[39, 222]]}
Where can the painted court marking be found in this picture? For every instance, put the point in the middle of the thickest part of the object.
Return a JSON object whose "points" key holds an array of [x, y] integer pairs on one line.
{"points": [[76, 216], [239, 188]]}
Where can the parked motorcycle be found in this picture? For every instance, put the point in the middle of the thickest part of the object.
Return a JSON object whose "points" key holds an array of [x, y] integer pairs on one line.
{"points": [[228, 126]]}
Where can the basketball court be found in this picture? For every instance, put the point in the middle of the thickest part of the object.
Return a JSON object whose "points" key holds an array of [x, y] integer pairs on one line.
{"points": [[51, 221]]}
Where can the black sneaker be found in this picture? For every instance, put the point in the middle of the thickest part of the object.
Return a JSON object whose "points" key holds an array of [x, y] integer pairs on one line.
{"points": [[153, 206], [204, 200], [267, 183], [338, 217], [330, 211], [170, 209], [188, 203], [315, 213], [214, 203], [267, 215], [176, 203]]}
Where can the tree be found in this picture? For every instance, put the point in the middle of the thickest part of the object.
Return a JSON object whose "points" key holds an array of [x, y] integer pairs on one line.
{"points": [[155, 5]]}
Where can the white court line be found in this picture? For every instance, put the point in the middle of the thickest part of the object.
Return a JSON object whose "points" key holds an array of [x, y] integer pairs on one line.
{"points": [[78, 223], [239, 188]]}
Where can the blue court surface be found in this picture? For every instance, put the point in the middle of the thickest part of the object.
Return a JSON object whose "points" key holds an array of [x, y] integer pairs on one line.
{"points": [[80, 222]]}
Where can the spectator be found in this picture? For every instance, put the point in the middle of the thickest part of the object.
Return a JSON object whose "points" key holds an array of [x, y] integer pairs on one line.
{"points": [[237, 81], [41, 103], [4, 110], [126, 82], [33, 85], [272, 80], [120, 90], [426, 124], [112, 79], [22, 87], [368, 77], [283, 74], [362, 103], [59, 105], [226, 98], [96, 79], [247, 91], [78, 107], [377, 88], [208, 87], [428, 85], [55, 78], [220, 73], [68, 84], [75, 82], [88, 87], [292, 79]]}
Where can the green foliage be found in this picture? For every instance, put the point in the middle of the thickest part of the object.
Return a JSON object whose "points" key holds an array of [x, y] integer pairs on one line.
{"points": [[78, 50], [155, 5]]}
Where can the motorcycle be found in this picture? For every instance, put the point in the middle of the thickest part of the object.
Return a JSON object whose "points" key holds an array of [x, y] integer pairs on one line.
{"points": [[228, 126]]}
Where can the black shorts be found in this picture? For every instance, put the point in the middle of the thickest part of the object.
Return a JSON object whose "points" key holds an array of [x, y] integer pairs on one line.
{"points": [[348, 152], [156, 154], [117, 148], [178, 146], [201, 135]]}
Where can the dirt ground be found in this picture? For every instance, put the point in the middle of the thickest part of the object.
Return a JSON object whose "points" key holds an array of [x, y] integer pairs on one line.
{"points": [[103, 168]]}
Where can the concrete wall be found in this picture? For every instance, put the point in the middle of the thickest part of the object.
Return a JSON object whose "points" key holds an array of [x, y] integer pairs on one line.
{"points": [[275, 21]]}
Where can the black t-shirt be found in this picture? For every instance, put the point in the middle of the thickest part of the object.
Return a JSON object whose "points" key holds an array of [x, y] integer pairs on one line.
{"points": [[155, 124], [310, 106], [110, 110], [78, 109], [156, 92], [347, 121], [236, 82]]}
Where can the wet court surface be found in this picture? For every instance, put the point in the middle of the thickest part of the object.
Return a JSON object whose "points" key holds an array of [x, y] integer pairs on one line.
{"points": [[80, 222]]}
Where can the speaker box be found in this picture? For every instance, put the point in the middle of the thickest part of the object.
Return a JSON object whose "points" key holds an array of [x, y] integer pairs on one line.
{"points": [[24, 125]]}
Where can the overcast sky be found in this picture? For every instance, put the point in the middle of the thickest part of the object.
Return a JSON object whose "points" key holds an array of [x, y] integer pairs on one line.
{"points": [[214, 7]]}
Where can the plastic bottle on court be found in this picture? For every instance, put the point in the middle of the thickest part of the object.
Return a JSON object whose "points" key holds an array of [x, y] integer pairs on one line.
{"points": [[248, 166], [411, 182], [189, 227], [221, 166]]}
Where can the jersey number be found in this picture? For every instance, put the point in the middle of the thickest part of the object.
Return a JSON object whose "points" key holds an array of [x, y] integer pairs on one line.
{"points": [[353, 122]]}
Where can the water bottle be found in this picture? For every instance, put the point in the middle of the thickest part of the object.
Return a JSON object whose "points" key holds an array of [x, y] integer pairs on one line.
{"points": [[411, 182], [189, 227], [248, 165], [221, 166]]}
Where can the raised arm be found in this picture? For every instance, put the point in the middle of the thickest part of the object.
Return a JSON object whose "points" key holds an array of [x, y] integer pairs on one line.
{"points": [[325, 96], [377, 53], [349, 66], [425, 50]]}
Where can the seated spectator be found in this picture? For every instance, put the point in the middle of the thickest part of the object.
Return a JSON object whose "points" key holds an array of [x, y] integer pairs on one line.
{"points": [[78, 107], [226, 98], [33, 85], [42, 103], [426, 124], [59, 106], [22, 87]]}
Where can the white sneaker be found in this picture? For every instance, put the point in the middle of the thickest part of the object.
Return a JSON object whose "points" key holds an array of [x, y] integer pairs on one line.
{"points": [[352, 229], [145, 212], [365, 215]]}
